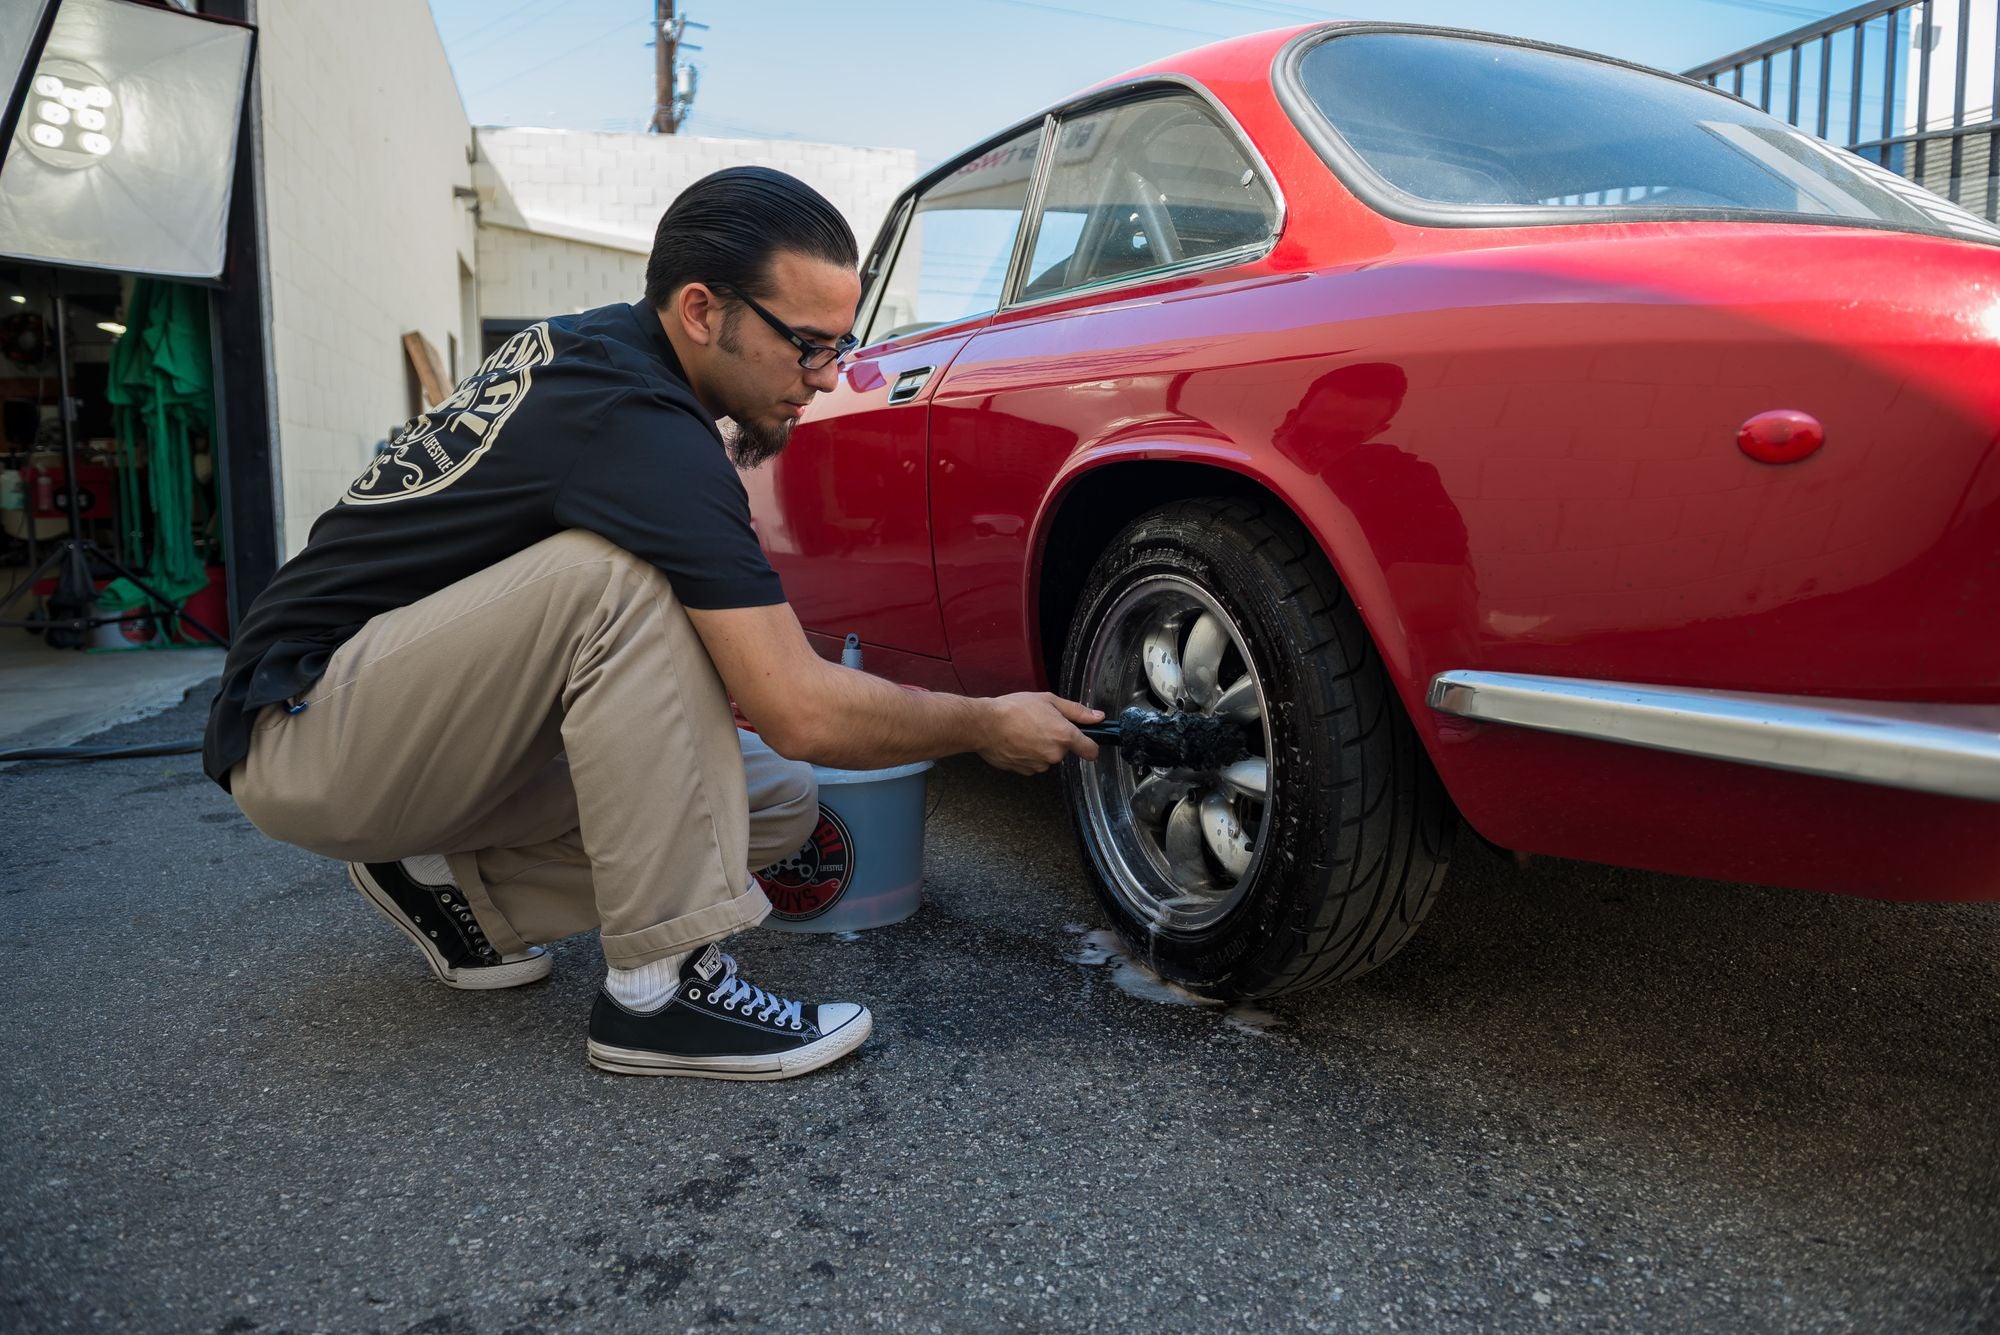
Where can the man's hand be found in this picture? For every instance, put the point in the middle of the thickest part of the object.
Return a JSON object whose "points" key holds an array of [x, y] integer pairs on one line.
{"points": [[810, 709], [1033, 730]]}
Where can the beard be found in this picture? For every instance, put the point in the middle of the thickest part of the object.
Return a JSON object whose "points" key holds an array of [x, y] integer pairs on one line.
{"points": [[751, 444]]}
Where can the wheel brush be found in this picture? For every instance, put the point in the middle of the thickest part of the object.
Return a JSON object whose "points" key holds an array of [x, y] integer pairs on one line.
{"points": [[1172, 741]]}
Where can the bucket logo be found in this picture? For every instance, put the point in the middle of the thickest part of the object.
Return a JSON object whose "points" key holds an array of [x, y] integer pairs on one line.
{"points": [[812, 880], [436, 448]]}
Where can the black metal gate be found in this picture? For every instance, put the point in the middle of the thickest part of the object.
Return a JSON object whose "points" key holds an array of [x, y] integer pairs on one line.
{"points": [[1908, 84]]}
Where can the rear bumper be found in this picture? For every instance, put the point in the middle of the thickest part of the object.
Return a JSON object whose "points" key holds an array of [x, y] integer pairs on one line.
{"points": [[1949, 750]]}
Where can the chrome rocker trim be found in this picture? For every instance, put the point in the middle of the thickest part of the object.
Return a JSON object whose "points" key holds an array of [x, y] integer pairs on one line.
{"points": [[1953, 750]]}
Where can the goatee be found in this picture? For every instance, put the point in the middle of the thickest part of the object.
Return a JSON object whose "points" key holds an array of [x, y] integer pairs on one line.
{"points": [[751, 444]]}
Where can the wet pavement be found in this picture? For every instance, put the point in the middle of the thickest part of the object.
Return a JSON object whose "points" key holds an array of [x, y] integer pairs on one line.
{"points": [[235, 1101]]}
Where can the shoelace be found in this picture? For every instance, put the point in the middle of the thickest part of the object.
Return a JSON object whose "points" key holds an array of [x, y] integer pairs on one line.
{"points": [[735, 991], [454, 907]]}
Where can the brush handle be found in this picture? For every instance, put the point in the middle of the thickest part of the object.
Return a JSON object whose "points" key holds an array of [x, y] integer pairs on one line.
{"points": [[1108, 733]]}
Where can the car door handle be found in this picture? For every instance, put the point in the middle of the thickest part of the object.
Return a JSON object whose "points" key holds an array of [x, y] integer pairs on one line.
{"points": [[909, 384]]}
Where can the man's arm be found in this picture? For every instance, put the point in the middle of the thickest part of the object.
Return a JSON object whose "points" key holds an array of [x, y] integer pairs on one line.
{"points": [[812, 710]]}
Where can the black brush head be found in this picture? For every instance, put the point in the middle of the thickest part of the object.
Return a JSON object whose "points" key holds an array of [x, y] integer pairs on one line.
{"points": [[1180, 741]]}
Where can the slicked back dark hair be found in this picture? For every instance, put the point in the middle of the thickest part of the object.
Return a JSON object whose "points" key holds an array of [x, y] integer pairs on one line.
{"points": [[726, 227]]}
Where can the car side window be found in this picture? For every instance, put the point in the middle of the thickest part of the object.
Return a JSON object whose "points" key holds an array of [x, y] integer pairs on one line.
{"points": [[1141, 186], [951, 261], [876, 267]]}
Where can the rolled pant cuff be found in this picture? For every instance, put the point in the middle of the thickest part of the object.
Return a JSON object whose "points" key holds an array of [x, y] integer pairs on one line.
{"points": [[677, 936]]}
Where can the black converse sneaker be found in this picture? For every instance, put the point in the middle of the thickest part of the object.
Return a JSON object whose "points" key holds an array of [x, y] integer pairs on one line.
{"points": [[437, 918], [720, 1025]]}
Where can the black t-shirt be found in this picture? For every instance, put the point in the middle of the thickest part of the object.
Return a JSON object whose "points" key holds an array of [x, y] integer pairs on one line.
{"points": [[584, 421]]}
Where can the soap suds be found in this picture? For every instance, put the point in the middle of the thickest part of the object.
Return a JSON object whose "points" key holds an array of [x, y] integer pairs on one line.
{"points": [[1102, 947]]}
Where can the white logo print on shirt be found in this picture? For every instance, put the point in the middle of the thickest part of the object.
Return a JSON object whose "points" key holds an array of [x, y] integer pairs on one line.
{"points": [[439, 446]]}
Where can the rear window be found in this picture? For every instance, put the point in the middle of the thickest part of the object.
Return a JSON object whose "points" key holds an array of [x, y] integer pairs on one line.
{"points": [[1432, 126]]}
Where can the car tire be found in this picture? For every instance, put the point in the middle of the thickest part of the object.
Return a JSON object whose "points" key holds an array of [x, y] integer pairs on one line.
{"points": [[1226, 606]]}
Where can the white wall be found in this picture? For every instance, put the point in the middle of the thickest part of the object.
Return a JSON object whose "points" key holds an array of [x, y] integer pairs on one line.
{"points": [[364, 138], [567, 217], [525, 276]]}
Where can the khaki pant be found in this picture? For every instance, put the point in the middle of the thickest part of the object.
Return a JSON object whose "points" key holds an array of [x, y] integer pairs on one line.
{"points": [[554, 727]]}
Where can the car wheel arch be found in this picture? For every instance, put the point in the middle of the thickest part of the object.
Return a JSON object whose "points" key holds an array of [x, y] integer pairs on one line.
{"points": [[1095, 498]]}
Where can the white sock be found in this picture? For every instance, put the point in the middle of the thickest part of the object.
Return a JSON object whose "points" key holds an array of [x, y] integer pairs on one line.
{"points": [[435, 869], [646, 988], [430, 869]]}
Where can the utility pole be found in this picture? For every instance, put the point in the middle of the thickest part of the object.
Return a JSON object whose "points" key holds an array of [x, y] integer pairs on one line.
{"points": [[666, 50], [673, 82]]}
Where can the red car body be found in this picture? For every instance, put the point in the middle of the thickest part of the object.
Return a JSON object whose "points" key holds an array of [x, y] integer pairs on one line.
{"points": [[1518, 447]]}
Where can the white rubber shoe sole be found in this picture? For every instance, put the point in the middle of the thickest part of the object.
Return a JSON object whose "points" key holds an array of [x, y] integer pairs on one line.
{"points": [[775, 1066], [466, 978]]}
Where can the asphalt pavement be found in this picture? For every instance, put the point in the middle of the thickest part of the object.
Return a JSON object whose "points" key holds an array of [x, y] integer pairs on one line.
{"points": [[234, 1100]]}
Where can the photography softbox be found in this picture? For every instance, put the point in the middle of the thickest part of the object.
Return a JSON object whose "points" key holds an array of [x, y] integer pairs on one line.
{"points": [[125, 146], [23, 25]]}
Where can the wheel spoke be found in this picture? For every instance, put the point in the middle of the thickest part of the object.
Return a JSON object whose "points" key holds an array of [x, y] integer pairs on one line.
{"points": [[1239, 702], [1223, 834], [1183, 845], [1153, 797], [1249, 777], [1178, 845], [1163, 663], [1201, 660]]}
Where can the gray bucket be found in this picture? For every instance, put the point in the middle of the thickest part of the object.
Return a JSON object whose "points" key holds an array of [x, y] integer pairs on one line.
{"points": [[864, 864]]}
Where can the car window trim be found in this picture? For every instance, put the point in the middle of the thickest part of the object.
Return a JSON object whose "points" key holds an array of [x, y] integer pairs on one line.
{"points": [[888, 245], [1031, 210], [1375, 191], [1221, 259], [1140, 89], [904, 213]]}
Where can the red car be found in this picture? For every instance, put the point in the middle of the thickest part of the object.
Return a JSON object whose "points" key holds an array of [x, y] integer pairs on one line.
{"points": [[1498, 432]]}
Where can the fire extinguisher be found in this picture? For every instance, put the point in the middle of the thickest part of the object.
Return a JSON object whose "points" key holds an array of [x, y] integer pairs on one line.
{"points": [[45, 493]]}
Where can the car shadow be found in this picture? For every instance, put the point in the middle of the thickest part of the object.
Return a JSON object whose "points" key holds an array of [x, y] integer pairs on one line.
{"points": [[1793, 1051]]}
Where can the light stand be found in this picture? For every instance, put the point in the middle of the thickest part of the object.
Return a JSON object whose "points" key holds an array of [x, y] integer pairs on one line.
{"points": [[70, 611], [23, 34]]}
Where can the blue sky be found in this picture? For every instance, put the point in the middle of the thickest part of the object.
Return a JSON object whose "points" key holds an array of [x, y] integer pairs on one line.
{"points": [[937, 75]]}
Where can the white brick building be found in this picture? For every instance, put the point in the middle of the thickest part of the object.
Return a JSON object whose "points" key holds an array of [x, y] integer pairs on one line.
{"points": [[566, 218], [366, 237]]}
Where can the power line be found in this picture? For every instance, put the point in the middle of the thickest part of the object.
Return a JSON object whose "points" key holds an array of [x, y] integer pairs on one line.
{"points": [[1109, 18], [701, 120], [1302, 13], [540, 65], [1775, 7], [493, 23], [470, 39]]}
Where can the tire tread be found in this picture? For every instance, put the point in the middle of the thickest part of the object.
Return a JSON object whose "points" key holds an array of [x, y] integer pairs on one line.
{"points": [[1382, 860]]}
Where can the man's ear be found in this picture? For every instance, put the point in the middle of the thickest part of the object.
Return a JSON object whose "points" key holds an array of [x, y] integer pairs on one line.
{"points": [[699, 312]]}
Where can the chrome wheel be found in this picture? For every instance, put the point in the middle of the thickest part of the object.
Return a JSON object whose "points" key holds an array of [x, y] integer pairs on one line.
{"points": [[1179, 847], [1314, 857]]}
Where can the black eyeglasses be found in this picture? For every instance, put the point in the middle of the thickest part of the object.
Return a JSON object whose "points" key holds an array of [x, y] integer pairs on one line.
{"points": [[812, 356]]}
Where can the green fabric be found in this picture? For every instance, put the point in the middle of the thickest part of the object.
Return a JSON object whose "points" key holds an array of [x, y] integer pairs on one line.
{"points": [[162, 392], [122, 595]]}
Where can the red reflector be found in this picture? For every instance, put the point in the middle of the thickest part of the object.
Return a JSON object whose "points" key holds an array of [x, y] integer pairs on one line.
{"points": [[1782, 436]]}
